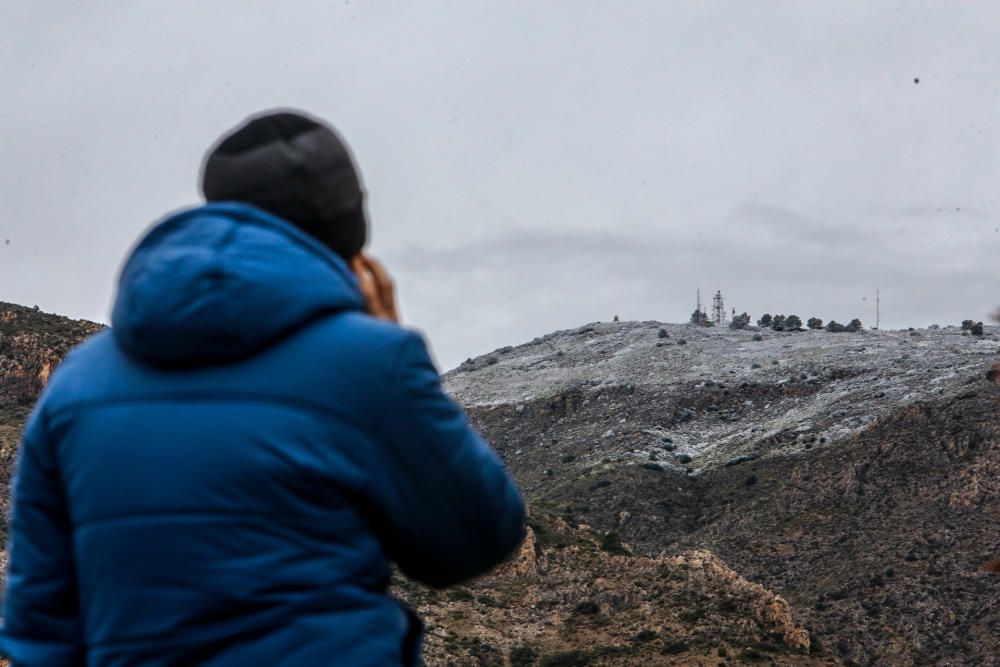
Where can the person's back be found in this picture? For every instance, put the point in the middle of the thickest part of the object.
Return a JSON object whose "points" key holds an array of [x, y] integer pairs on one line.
{"points": [[224, 477]]}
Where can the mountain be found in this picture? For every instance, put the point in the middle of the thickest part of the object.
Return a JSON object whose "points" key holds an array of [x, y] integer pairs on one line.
{"points": [[703, 496], [32, 344], [855, 474]]}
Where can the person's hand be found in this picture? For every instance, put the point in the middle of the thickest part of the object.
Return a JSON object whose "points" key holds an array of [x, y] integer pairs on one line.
{"points": [[376, 287]]}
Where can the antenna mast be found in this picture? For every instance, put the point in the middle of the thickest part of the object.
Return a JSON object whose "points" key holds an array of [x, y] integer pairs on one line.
{"points": [[878, 308], [718, 309]]}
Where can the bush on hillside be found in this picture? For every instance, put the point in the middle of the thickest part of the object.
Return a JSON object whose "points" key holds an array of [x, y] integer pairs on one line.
{"points": [[700, 318], [740, 321]]}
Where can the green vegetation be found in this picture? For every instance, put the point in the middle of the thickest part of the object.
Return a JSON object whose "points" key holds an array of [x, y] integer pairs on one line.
{"points": [[566, 659], [460, 595], [523, 656], [587, 608], [612, 543], [673, 648]]}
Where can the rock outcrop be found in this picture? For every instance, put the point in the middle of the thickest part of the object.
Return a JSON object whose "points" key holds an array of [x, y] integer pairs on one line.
{"points": [[574, 596]]}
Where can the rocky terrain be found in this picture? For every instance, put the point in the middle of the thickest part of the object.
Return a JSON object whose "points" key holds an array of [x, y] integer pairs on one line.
{"points": [[576, 596], [855, 474], [32, 344], [703, 496]]}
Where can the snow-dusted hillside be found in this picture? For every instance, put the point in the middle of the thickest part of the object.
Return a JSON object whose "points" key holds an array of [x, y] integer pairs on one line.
{"points": [[821, 386]]}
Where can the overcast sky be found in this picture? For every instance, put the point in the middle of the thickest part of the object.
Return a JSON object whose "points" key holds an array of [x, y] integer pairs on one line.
{"points": [[533, 166]]}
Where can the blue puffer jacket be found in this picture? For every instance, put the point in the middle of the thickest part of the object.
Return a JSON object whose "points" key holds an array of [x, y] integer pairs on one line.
{"points": [[224, 477]]}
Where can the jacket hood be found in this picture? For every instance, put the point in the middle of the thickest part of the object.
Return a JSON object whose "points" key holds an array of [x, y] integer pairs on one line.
{"points": [[222, 281]]}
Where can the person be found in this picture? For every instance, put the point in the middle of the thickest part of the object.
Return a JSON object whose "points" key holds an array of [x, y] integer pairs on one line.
{"points": [[224, 476]]}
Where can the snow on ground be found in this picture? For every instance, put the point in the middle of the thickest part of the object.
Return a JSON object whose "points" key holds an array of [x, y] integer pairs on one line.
{"points": [[855, 378]]}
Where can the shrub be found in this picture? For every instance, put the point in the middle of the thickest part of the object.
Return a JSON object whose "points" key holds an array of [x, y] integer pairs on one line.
{"points": [[751, 655], [740, 321], [764, 321], [587, 608], [815, 644], [565, 659], [460, 595], [645, 635], [612, 543], [523, 656], [567, 458], [778, 322], [834, 326], [673, 648], [662, 333], [814, 323], [977, 329], [700, 318], [967, 324], [854, 325], [692, 615], [793, 322]]}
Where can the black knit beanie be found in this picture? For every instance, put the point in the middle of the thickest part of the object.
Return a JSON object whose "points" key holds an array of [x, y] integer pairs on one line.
{"points": [[296, 168]]}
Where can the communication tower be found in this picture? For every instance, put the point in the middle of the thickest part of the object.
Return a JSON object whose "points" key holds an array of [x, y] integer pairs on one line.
{"points": [[718, 309], [878, 308]]}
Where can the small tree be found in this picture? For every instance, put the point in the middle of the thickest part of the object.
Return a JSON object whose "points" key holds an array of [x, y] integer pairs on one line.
{"points": [[778, 322], [740, 321], [764, 321], [833, 326], [854, 325], [793, 322], [814, 323], [700, 318], [976, 329], [968, 324]]}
